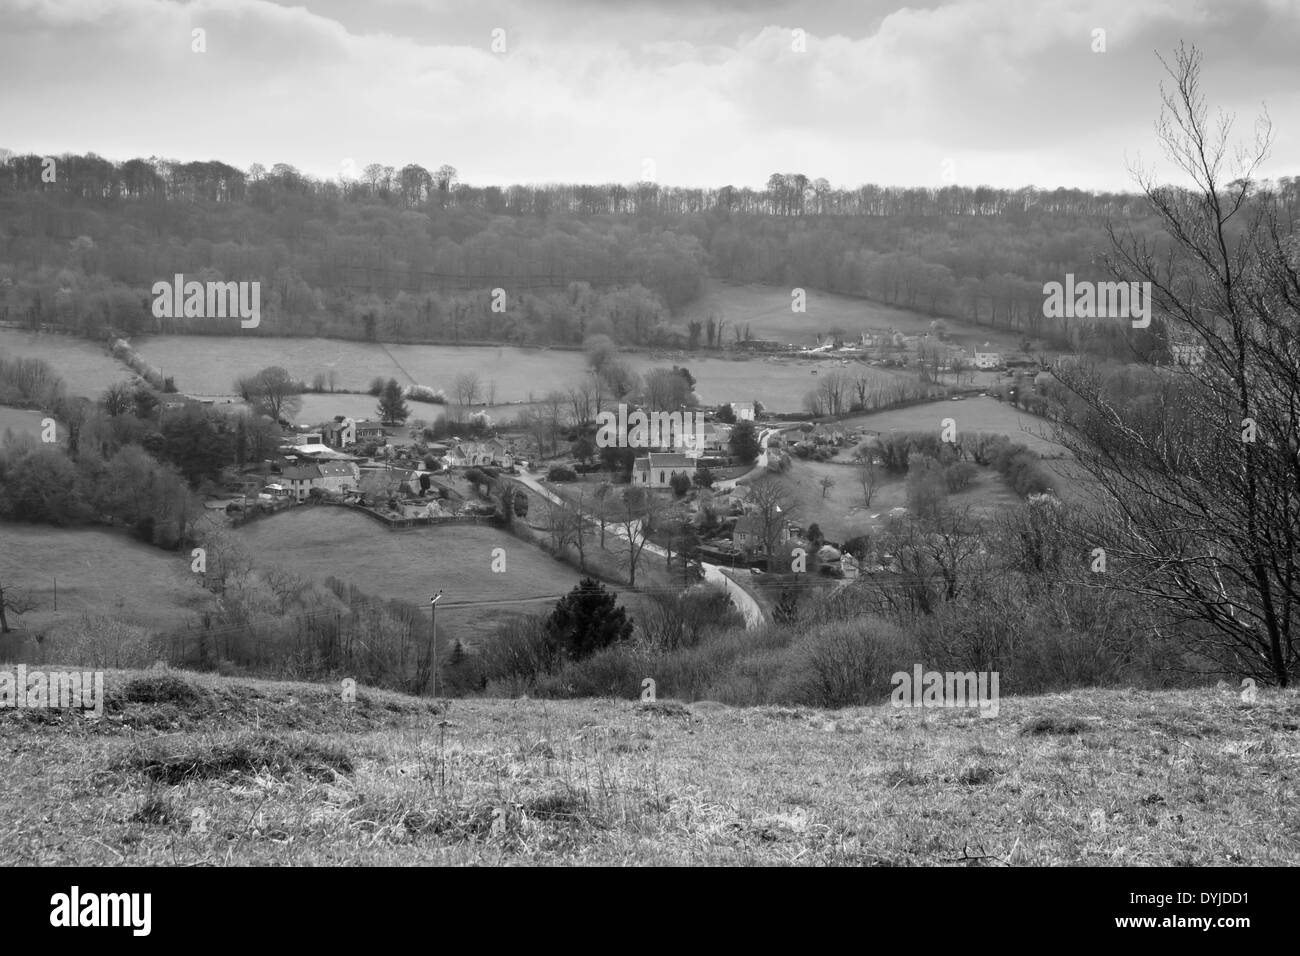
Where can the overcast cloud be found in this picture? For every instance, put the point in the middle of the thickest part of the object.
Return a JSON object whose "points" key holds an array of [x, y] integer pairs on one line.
{"points": [[1010, 92]]}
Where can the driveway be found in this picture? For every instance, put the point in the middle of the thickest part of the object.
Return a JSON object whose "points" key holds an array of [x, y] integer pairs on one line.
{"points": [[760, 463]]}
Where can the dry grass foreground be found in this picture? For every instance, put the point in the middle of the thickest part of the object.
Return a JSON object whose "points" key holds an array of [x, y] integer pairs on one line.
{"points": [[196, 769]]}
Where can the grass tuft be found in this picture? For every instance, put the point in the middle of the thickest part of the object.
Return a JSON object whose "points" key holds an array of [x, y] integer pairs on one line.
{"points": [[250, 754]]}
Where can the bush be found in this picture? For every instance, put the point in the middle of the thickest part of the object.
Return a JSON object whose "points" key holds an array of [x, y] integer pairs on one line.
{"points": [[422, 393], [680, 482], [561, 473], [521, 650], [842, 664], [959, 475]]}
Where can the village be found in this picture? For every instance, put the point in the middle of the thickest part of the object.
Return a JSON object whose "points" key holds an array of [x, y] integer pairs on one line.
{"points": [[692, 489]]}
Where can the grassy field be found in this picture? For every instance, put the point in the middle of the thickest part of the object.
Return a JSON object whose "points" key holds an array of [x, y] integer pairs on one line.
{"points": [[766, 310], [841, 514], [86, 368], [97, 572], [317, 543], [22, 421], [199, 770], [976, 414], [209, 365]]}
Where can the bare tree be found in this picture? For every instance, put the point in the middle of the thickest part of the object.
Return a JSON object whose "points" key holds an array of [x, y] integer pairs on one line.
{"points": [[636, 516], [1200, 510], [465, 387], [601, 504], [584, 399], [835, 389], [864, 468], [553, 412], [772, 502], [272, 392]]}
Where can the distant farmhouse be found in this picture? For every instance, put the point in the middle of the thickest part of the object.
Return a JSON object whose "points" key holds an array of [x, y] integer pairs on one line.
{"points": [[340, 432], [656, 470], [473, 453], [762, 345], [370, 431], [744, 411], [988, 360], [299, 480]]}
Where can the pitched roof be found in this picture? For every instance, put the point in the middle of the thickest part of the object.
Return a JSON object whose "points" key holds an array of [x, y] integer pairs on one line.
{"points": [[300, 473], [669, 460], [335, 470]]}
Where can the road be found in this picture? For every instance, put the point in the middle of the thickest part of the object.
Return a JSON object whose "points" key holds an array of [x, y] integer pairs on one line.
{"points": [[740, 598], [760, 463]]}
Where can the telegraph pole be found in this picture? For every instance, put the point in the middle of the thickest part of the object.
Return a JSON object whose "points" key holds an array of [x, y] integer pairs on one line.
{"points": [[433, 638]]}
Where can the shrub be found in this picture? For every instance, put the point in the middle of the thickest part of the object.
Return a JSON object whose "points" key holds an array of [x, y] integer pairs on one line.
{"points": [[843, 664], [959, 475], [422, 393], [521, 650], [680, 482], [561, 473]]}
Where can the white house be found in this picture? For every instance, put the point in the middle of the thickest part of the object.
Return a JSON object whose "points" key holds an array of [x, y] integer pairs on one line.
{"points": [[744, 411], [988, 360], [491, 452], [300, 479], [656, 470]]}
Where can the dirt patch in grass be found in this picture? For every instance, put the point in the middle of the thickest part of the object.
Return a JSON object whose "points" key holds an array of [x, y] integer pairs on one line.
{"points": [[162, 688], [247, 755], [1041, 726], [663, 708]]}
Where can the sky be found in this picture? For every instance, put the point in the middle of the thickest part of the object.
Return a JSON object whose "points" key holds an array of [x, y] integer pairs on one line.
{"points": [[684, 92]]}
